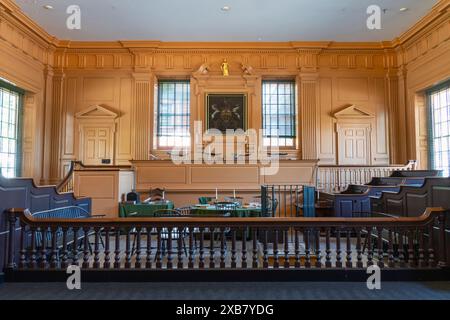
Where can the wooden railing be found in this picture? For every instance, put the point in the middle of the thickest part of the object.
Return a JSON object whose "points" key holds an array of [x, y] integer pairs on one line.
{"points": [[228, 243], [66, 184], [337, 178]]}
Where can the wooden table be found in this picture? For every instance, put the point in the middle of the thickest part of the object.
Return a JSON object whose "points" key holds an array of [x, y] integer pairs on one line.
{"points": [[143, 209], [240, 212]]}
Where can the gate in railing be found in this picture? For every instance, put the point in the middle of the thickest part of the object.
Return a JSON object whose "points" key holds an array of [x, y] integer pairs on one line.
{"points": [[228, 243], [337, 178], [286, 200]]}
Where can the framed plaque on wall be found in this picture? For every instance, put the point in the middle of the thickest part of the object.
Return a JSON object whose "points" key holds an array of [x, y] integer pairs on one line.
{"points": [[226, 111]]}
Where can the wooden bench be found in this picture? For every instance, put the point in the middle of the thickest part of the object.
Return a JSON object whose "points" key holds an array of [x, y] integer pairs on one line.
{"points": [[23, 193]]}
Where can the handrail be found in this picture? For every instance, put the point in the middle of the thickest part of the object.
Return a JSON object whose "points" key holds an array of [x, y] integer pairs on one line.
{"points": [[430, 213], [333, 178], [66, 184], [410, 165]]}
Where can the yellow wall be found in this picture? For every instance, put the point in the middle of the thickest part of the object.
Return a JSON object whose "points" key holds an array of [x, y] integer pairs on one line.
{"points": [[63, 78]]}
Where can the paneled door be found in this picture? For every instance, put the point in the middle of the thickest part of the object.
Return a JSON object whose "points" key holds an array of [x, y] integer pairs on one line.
{"points": [[97, 145], [354, 144]]}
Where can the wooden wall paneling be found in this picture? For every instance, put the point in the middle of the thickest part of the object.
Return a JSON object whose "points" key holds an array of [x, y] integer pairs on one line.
{"points": [[120, 75], [380, 153], [308, 114], [102, 187], [143, 93], [55, 167], [325, 128], [124, 125]]}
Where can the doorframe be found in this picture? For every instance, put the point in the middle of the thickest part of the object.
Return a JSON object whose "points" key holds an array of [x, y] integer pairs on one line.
{"points": [[357, 116], [95, 117]]}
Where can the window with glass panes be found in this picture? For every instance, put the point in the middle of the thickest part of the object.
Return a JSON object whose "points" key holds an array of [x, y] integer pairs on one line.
{"points": [[10, 112], [279, 114], [173, 114], [439, 128]]}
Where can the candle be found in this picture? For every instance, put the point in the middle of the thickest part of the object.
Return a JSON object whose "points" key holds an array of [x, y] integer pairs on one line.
{"points": [[216, 194], [234, 193]]}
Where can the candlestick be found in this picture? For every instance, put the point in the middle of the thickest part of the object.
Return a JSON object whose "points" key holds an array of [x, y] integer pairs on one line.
{"points": [[216, 194], [234, 193]]}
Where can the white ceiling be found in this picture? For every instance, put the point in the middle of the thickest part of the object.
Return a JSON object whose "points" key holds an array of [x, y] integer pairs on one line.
{"points": [[248, 20]]}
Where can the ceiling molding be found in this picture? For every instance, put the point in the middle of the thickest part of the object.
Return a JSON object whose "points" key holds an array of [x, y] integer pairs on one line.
{"points": [[440, 10]]}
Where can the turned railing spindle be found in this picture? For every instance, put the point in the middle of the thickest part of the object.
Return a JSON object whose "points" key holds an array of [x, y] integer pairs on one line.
{"points": [[359, 263], [265, 251], [411, 258], [276, 263], [369, 247], [54, 250], [22, 251], [255, 249], [318, 252], [75, 246], [338, 248], [297, 249], [233, 248], [307, 248], [327, 248], [391, 260], [44, 248], [117, 249], [127, 250], [222, 248], [201, 258], [169, 248], [180, 262], [286, 249], [420, 235], [401, 254], [107, 262], [158, 249], [64, 251], [33, 251], [148, 260], [212, 264], [96, 249], [348, 262], [244, 249], [137, 263], [191, 249], [431, 257], [380, 247], [85, 264]]}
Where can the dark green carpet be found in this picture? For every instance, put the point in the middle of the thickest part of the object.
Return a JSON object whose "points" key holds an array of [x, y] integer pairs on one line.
{"points": [[229, 291]]}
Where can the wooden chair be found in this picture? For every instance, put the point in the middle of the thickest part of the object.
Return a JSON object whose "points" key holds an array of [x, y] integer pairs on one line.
{"points": [[205, 200], [157, 194], [175, 233]]}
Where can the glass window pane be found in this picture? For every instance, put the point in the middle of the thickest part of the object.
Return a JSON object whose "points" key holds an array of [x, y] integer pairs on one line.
{"points": [[173, 114], [9, 106], [279, 118], [440, 130]]}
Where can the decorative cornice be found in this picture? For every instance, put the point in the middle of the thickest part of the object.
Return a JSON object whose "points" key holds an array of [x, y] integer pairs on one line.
{"points": [[10, 9]]}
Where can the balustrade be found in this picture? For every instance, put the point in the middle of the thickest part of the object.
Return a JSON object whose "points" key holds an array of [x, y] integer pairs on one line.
{"points": [[229, 243]]}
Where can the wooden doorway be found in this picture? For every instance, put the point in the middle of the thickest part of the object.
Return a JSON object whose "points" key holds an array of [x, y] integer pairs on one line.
{"points": [[96, 126], [353, 144], [353, 130]]}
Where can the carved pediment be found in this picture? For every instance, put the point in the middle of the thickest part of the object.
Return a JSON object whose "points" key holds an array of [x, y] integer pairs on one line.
{"points": [[353, 112], [96, 112]]}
